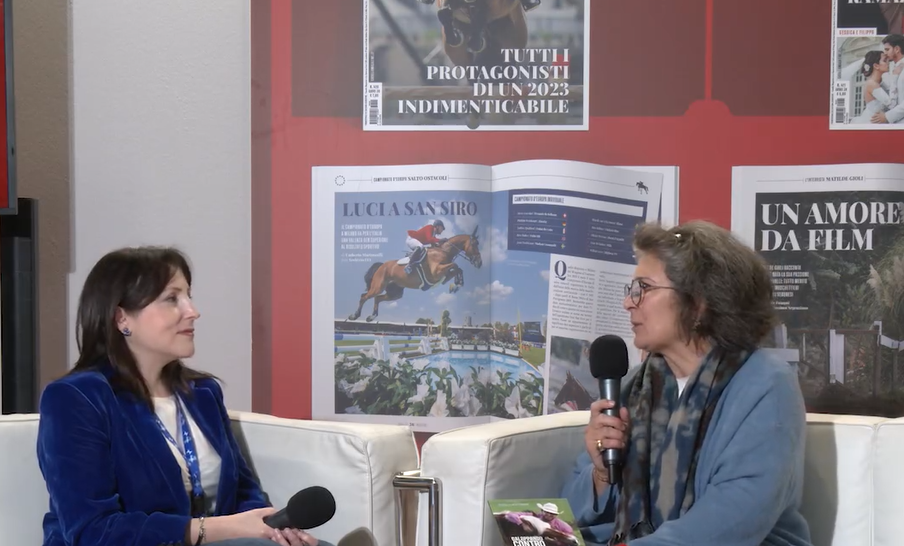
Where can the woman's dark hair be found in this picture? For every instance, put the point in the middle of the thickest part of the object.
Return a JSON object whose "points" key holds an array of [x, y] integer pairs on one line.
{"points": [[871, 59], [127, 279], [723, 287]]}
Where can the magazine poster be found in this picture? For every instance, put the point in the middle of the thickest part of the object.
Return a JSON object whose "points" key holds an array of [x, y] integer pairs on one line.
{"points": [[460, 65], [450, 295], [833, 236], [536, 522], [867, 84]]}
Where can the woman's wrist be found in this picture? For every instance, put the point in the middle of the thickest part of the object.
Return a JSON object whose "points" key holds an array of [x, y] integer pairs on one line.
{"points": [[211, 528], [202, 533], [600, 480]]}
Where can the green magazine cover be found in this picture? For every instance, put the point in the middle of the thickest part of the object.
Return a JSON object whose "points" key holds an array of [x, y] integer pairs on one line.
{"points": [[536, 522]]}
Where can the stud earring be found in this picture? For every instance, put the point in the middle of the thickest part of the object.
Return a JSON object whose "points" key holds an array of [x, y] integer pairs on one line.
{"points": [[126, 332]]}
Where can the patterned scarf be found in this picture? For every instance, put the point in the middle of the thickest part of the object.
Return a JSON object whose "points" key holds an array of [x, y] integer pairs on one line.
{"points": [[666, 436]]}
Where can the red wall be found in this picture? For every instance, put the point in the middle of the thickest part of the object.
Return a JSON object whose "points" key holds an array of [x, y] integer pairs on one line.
{"points": [[702, 84]]}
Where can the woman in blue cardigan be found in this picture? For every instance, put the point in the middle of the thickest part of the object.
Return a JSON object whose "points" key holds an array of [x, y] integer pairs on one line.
{"points": [[135, 447], [713, 427]]}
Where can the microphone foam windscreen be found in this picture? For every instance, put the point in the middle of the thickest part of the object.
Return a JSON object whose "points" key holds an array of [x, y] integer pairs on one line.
{"points": [[311, 507], [608, 357]]}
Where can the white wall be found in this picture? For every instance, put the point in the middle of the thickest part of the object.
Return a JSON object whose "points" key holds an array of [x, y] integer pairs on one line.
{"points": [[161, 155]]}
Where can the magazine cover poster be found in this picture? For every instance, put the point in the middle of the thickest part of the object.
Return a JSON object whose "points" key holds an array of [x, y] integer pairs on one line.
{"points": [[462, 65], [837, 263], [406, 302], [867, 65], [536, 522]]}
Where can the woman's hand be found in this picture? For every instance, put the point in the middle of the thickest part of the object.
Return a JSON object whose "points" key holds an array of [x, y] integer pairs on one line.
{"points": [[605, 432], [248, 524], [294, 537]]}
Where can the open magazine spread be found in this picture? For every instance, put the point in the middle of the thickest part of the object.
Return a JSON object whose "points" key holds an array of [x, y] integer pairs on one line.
{"points": [[867, 65], [833, 236], [449, 295], [536, 522], [460, 65]]}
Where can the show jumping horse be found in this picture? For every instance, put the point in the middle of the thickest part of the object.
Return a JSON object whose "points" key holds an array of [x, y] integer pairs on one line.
{"points": [[386, 281], [476, 31], [573, 395]]}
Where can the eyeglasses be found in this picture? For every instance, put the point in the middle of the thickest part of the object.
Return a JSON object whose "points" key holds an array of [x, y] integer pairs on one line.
{"points": [[638, 288]]}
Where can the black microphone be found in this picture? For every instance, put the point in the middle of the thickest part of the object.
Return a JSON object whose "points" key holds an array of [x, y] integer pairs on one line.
{"points": [[311, 507], [608, 364]]}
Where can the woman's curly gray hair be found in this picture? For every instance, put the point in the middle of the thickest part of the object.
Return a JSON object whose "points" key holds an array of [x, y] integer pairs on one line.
{"points": [[723, 287]]}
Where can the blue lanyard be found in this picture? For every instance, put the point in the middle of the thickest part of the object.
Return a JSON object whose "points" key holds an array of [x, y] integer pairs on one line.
{"points": [[187, 449]]}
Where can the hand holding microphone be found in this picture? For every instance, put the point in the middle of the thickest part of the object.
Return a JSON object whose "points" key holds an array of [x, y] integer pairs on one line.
{"points": [[608, 431], [311, 507]]}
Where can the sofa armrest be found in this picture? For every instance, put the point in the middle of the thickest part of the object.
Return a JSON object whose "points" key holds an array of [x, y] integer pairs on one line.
{"points": [[23, 493], [839, 465], [511, 459], [356, 462], [888, 483]]}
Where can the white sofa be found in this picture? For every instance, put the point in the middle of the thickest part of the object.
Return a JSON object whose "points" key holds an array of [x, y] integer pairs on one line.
{"points": [[356, 462], [854, 484], [888, 484]]}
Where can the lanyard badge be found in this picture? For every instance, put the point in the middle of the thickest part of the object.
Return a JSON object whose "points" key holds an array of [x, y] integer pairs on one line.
{"points": [[190, 455]]}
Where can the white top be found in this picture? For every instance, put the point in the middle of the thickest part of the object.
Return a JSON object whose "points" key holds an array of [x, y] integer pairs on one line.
{"points": [[208, 459], [682, 382]]}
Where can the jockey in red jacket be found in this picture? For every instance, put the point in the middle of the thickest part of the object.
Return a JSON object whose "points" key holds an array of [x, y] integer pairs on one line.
{"points": [[420, 237]]}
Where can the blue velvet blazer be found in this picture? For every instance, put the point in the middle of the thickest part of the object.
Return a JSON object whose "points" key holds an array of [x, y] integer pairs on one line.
{"points": [[111, 476]]}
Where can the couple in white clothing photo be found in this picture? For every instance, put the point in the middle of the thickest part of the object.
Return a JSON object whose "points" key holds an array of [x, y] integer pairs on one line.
{"points": [[883, 92]]}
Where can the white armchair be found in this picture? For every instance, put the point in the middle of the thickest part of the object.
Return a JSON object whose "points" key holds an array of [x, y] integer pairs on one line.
{"points": [[888, 484], [512, 459], [840, 467], [23, 495], [356, 462], [851, 484]]}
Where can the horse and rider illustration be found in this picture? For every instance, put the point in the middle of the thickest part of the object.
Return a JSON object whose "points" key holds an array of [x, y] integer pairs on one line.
{"points": [[642, 188], [476, 31], [473, 21], [431, 262]]}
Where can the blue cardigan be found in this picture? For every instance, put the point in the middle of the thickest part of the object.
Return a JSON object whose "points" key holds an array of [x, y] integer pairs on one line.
{"points": [[749, 479], [111, 476]]}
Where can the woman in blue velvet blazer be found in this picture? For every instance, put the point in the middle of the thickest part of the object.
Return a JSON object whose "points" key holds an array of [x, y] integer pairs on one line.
{"points": [[115, 472]]}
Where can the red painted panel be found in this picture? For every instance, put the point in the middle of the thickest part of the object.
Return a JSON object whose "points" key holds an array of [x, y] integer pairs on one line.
{"points": [[705, 86]]}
